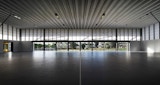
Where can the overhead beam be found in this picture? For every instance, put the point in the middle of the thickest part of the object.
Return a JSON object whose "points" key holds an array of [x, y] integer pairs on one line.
{"points": [[5, 19], [154, 17]]}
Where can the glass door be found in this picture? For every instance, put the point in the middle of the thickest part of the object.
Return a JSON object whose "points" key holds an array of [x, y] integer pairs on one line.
{"points": [[62, 46], [123, 46], [98, 46], [7, 46], [50, 46], [86, 46], [74, 46], [38, 46], [110, 46]]}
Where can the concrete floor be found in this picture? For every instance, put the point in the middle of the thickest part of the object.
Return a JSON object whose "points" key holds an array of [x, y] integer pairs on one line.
{"points": [[79, 68]]}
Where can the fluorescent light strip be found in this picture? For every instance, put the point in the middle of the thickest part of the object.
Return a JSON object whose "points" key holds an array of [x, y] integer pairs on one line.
{"points": [[17, 17]]}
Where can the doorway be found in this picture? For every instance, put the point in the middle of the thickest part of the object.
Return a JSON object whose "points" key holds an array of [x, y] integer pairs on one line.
{"points": [[50, 46], [104, 46], [74, 46], [123, 46], [7, 46], [79, 46], [86, 46], [62, 46], [38, 46]]}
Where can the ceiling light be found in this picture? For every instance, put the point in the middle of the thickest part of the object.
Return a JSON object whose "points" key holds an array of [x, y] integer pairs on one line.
{"points": [[56, 15], [102, 15], [17, 17]]}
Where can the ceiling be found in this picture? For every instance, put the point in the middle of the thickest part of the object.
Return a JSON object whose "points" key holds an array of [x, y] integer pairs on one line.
{"points": [[80, 13]]}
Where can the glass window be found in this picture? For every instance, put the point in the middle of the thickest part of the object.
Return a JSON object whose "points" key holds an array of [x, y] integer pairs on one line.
{"points": [[27, 35], [126, 34], [14, 33], [54, 34], [40, 34], [58, 34], [18, 34], [70, 34], [109, 37], [157, 31], [23, 34], [94, 34], [138, 35], [113, 34], [134, 36], [31, 34], [10, 33], [62, 34], [35, 34], [147, 33], [151, 32], [66, 34], [143, 34], [118, 34], [130, 35], [5, 28], [0, 32]]}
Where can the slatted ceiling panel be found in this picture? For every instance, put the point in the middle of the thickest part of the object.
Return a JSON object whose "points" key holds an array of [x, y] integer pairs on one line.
{"points": [[157, 13], [79, 13], [59, 11], [99, 10], [130, 15], [145, 19]]}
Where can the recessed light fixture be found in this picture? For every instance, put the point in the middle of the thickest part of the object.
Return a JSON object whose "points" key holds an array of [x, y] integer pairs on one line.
{"points": [[56, 15], [17, 17], [102, 15]]}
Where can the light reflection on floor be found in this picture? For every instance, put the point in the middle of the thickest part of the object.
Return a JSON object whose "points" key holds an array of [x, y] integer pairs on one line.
{"points": [[63, 68]]}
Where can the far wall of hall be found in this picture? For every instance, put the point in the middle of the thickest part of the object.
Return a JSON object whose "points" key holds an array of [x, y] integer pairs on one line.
{"points": [[150, 39], [146, 46], [19, 46]]}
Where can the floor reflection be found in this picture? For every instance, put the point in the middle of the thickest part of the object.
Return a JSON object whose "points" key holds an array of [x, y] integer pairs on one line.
{"points": [[63, 68]]}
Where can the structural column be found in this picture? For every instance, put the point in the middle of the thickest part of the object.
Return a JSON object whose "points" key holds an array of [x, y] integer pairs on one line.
{"points": [[44, 39]]}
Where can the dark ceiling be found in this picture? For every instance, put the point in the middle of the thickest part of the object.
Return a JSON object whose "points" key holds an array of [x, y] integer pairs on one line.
{"points": [[80, 13]]}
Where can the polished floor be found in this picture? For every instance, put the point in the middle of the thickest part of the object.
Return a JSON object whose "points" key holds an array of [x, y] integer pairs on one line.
{"points": [[79, 68]]}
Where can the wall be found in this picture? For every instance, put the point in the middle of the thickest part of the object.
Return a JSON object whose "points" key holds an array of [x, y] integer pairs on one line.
{"points": [[151, 38], [151, 46], [25, 46], [146, 46], [1, 46], [135, 46]]}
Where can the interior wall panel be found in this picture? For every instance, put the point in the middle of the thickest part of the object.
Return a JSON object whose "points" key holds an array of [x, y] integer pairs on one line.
{"points": [[10, 33], [147, 33], [1, 32], [5, 29], [157, 31], [151, 32]]}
